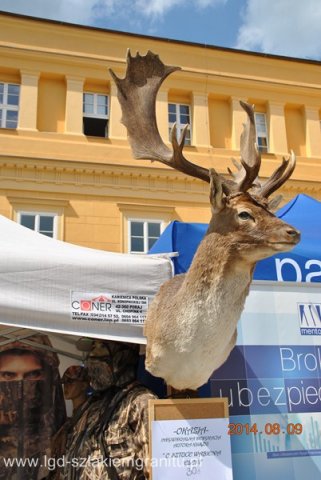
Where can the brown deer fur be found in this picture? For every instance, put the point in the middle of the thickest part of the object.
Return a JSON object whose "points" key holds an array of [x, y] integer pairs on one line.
{"points": [[191, 324]]}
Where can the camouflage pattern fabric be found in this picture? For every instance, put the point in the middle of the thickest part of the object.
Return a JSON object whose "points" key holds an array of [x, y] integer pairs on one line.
{"points": [[125, 440], [113, 430], [59, 442], [75, 372], [32, 409], [112, 364]]}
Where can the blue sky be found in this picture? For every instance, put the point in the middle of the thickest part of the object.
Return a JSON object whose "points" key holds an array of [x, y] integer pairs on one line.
{"points": [[282, 27]]}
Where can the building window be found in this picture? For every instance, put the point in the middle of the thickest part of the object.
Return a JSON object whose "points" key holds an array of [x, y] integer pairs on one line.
{"points": [[143, 234], [9, 105], [180, 114], [44, 223], [95, 114], [261, 132]]}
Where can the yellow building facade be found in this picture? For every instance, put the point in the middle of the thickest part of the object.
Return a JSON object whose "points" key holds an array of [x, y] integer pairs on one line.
{"points": [[66, 168]]}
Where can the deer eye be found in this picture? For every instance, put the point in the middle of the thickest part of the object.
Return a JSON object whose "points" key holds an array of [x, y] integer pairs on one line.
{"points": [[245, 215]]}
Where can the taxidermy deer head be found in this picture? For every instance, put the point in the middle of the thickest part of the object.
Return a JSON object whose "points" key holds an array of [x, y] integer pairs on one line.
{"points": [[191, 323]]}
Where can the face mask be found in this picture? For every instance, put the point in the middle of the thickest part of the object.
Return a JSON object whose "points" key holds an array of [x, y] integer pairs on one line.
{"points": [[111, 364], [100, 374], [24, 401]]}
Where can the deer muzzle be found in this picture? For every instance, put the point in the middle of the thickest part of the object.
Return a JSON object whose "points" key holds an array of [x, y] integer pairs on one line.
{"points": [[286, 238], [293, 235]]}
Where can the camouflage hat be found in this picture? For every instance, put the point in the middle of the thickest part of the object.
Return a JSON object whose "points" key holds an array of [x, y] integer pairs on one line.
{"points": [[112, 363], [75, 373]]}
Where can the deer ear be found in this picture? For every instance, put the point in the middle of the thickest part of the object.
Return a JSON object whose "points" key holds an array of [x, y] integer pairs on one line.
{"points": [[274, 203], [216, 191]]}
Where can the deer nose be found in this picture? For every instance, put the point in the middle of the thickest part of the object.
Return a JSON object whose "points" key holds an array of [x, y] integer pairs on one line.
{"points": [[294, 234]]}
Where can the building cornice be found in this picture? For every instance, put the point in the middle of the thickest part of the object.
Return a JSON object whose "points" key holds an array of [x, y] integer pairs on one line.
{"points": [[157, 39], [21, 199], [102, 61], [118, 181], [108, 180]]}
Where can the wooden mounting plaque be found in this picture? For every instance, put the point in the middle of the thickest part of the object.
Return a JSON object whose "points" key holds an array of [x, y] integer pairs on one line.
{"points": [[187, 408]]}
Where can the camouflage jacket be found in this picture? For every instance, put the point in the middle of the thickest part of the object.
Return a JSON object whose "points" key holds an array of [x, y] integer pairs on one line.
{"points": [[120, 441]]}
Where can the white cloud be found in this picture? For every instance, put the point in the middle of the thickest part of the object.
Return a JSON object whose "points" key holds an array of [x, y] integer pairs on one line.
{"points": [[155, 8], [283, 27], [89, 11]]}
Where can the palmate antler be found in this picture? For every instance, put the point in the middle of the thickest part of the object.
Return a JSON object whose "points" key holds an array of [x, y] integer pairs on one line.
{"points": [[137, 95]]}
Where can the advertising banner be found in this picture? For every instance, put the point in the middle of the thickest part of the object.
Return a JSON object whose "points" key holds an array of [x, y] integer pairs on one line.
{"points": [[273, 382], [109, 307]]}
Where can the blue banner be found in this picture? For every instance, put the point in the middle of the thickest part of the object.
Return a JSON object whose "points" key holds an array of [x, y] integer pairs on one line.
{"points": [[302, 264], [272, 382]]}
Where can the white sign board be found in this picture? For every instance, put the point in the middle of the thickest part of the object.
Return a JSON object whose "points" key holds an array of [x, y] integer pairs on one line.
{"points": [[109, 307], [198, 449]]}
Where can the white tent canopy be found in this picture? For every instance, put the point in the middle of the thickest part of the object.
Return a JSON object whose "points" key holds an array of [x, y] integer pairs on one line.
{"points": [[49, 285]]}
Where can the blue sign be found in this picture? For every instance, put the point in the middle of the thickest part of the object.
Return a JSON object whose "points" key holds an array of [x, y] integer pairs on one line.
{"points": [[302, 264]]}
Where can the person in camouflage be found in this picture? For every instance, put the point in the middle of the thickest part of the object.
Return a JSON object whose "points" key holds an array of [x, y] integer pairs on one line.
{"points": [[109, 440], [32, 406], [76, 385]]}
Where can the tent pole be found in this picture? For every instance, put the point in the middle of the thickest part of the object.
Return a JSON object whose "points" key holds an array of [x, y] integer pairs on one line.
{"points": [[23, 339]]}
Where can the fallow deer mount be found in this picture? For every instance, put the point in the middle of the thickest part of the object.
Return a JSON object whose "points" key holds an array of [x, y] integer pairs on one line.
{"points": [[191, 323]]}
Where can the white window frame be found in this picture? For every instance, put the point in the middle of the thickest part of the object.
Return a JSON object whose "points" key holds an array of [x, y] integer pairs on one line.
{"points": [[5, 107], [261, 134], [145, 222], [180, 126], [37, 215], [95, 113]]}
